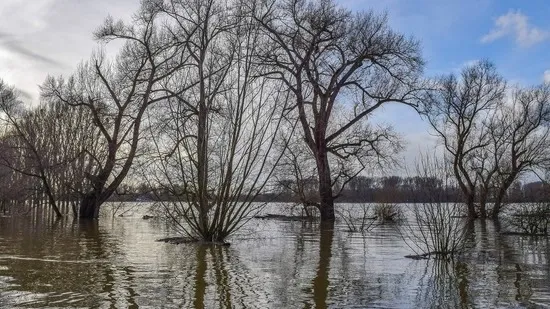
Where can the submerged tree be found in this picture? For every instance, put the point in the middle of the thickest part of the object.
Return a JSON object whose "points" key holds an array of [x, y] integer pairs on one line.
{"points": [[50, 144], [490, 141], [456, 111], [525, 128], [328, 57], [216, 140], [18, 184], [118, 93]]}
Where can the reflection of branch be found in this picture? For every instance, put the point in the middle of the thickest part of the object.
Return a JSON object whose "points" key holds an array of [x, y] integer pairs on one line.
{"points": [[366, 222], [442, 284]]}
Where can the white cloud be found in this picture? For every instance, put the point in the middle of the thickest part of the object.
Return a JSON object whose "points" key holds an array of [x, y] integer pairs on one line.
{"points": [[42, 37], [517, 25], [25, 16], [546, 76]]}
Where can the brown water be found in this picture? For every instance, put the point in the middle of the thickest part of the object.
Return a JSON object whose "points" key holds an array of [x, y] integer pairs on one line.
{"points": [[118, 264]]}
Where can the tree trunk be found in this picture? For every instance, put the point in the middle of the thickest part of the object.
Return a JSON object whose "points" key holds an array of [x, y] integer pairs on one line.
{"points": [[483, 203], [48, 191], [202, 167], [53, 204], [326, 207], [470, 203], [467, 187], [89, 206], [501, 195], [498, 205]]}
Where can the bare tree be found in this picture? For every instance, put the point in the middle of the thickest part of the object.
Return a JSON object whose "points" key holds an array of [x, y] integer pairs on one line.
{"points": [[328, 57], [456, 111], [30, 161], [297, 171], [216, 141], [118, 93], [491, 142], [485, 161], [51, 143], [15, 186], [70, 143], [525, 130], [530, 219]]}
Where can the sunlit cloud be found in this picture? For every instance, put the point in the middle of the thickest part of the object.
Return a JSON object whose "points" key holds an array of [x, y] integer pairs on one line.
{"points": [[516, 25]]}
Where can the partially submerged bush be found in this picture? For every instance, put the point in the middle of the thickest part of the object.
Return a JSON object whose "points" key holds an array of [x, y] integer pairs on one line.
{"points": [[438, 230], [388, 212], [362, 218], [216, 150], [302, 209], [531, 218], [437, 227]]}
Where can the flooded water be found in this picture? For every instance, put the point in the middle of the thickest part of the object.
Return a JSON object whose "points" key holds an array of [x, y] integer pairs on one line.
{"points": [[117, 263]]}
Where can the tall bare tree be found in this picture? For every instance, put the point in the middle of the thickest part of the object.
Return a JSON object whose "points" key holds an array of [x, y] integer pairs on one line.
{"points": [[485, 161], [51, 143], [216, 140], [16, 186], [118, 93], [297, 171], [524, 126], [490, 140], [456, 112], [28, 158], [328, 57]]}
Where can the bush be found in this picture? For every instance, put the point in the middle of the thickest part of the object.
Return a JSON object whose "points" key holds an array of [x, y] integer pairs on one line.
{"points": [[388, 212], [531, 218], [437, 227]]}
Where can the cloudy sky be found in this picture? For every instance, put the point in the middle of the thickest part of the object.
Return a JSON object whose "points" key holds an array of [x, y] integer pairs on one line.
{"points": [[41, 37]]}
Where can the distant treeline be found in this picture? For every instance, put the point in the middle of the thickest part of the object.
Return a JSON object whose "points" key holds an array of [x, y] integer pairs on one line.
{"points": [[390, 189], [396, 189]]}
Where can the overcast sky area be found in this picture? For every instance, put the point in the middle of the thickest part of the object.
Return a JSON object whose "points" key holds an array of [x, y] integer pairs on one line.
{"points": [[50, 37]]}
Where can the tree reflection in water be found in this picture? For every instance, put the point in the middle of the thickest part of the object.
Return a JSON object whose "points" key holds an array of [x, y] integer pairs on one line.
{"points": [[321, 281], [200, 280], [216, 283], [443, 285], [497, 271]]}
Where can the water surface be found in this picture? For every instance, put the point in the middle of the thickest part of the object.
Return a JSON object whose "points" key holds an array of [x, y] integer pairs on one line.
{"points": [[116, 263]]}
